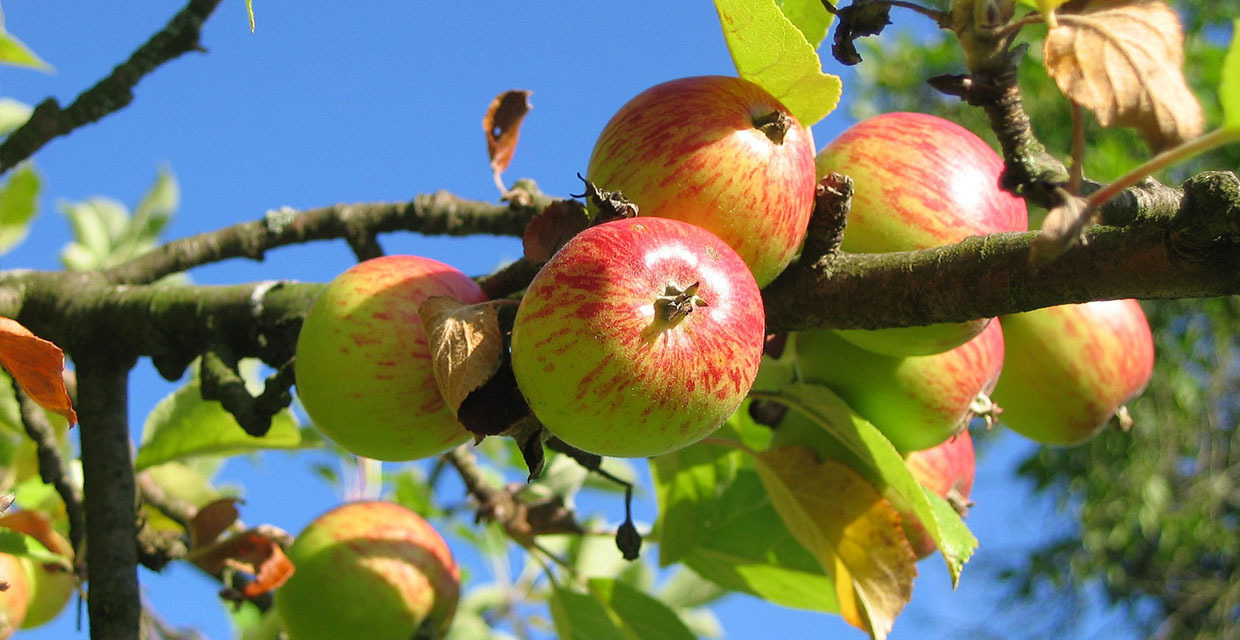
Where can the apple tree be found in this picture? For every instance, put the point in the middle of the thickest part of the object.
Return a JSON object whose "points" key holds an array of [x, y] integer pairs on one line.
{"points": [[808, 442]]}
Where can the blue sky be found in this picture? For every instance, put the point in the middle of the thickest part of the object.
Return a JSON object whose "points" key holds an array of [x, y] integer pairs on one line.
{"points": [[333, 102]]}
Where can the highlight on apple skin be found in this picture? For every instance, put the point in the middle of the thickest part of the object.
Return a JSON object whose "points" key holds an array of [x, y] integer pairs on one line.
{"points": [[640, 336], [919, 181], [363, 366], [916, 401], [1071, 367], [369, 571], [719, 152]]}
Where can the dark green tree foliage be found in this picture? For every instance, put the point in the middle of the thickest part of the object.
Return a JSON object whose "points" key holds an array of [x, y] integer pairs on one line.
{"points": [[1155, 511]]}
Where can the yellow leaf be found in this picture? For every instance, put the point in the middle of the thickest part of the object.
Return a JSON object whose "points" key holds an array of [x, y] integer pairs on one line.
{"points": [[1122, 60], [771, 52], [465, 343], [849, 527]]}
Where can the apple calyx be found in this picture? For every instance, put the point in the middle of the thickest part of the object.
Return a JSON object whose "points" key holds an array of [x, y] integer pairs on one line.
{"points": [[606, 205], [986, 409], [676, 304], [774, 125]]}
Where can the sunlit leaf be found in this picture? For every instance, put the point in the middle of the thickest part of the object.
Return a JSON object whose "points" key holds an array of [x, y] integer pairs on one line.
{"points": [[19, 200], [810, 18], [465, 343], [853, 532], [1229, 87], [183, 425], [769, 50], [1123, 61], [14, 52], [38, 367], [859, 444], [249, 9], [13, 114]]}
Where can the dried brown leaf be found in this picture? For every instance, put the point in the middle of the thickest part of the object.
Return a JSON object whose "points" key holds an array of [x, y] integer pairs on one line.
{"points": [[256, 551], [1064, 226], [1122, 60], [466, 345], [211, 520], [502, 124], [37, 365], [550, 229]]}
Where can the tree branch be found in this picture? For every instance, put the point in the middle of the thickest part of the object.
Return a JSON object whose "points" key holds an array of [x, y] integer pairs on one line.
{"points": [[52, 468], [439, 213], [114, 601], [110, 94]]}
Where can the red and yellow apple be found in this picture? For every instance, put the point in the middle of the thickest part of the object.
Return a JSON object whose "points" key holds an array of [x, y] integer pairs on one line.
{"points": [[946, 471], [718, 152], [363, 366], [371, 571], [916, 401], [50, 585], [14, 599], [1070, 367], [638, 337], [919, 182]]}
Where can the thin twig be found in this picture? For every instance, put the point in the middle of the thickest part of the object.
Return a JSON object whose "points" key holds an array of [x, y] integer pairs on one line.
{"points": [[52, 467], [110, 94]]}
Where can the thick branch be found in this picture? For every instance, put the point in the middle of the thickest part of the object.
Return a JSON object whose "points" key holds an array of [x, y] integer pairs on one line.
{"points": [[114, 602], [110, 94], [440, 213]]}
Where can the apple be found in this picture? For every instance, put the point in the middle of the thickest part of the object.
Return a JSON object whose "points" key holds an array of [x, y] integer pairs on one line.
{"points": [[1070, 368], [721, 153], [370, 570], [638, 337], [946, 471], [916, 401], [363, 366], [50, 585], [919, 182], [15, 599]]}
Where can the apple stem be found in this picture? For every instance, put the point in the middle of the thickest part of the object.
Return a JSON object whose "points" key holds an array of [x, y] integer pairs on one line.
{"points": [[774, 124]]}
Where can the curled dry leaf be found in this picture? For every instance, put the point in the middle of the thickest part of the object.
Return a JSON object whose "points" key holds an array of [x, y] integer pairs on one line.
{"points": [[255, 551], [551, 228], [502, 124], [466, 345], [1122, 60], [37, 365], [851, 530], [211, 520]]}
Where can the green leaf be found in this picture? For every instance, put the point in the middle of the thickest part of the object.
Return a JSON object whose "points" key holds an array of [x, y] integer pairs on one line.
{"points": [[149, 218], [249, 8], [810, 18], [716, 518], [1229, 87], [13, 52], [19, 544], [858, 443], [613, 610], [771, 51], [19, 200], [13, 114], [644, 617], [183, 425]]}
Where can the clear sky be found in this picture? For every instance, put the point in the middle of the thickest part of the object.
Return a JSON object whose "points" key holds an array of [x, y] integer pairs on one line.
{"points": [[333, 102]]}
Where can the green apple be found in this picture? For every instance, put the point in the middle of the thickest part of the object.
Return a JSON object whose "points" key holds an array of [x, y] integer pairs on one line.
{"points": [[363, 366], [638, 337], [916, 401], [50, 585], [15, 599], [721, 153], [369, 571], [919, 182], [1070, 367]]}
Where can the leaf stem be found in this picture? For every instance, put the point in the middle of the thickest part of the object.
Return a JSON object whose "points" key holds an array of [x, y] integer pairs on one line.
{"points": [[1166, 159]]}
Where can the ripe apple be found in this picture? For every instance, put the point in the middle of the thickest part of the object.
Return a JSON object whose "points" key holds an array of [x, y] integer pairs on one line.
{"points": [[638, 337], [920, 181], [721, 153], [50, 585], [15, 599], [916, 401], [946, 471], [363, 366], [369, 570], [1070, 367]]}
